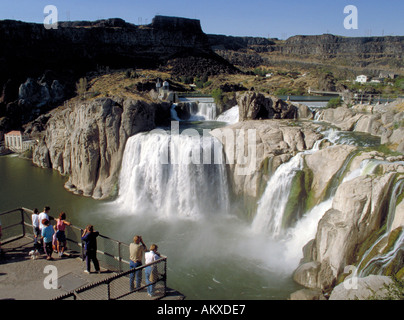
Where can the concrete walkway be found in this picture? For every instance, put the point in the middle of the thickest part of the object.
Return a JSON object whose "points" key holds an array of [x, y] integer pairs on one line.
{"points": [[23, 278]]}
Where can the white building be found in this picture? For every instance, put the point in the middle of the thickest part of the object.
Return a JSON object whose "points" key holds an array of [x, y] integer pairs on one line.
{"points": [[15, 141], [361, 79]]}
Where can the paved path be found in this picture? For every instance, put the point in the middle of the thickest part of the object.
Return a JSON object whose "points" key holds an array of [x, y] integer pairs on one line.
{"points": [[23, 278]]}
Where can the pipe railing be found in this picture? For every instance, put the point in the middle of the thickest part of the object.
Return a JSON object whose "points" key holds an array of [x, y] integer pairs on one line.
{"points": [[113, 254]]}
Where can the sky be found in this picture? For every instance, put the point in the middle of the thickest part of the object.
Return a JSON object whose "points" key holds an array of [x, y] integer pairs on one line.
{"points": [[260, 18]]}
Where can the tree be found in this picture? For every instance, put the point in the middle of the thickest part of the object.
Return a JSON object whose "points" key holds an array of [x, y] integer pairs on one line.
{"points": [[81, 87]]}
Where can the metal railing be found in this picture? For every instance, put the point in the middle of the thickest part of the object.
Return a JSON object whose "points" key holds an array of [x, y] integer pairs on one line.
{"points": [[118, 287], [112, 255]]}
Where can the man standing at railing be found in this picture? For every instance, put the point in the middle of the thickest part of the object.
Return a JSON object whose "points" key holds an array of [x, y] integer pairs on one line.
{"points": [[136, 251], [89, 237]]}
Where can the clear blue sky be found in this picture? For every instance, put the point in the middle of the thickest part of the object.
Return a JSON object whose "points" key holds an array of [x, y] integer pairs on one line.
{"points": [[266, 18]]}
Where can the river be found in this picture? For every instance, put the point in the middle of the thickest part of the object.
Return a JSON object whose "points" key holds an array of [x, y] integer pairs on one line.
{"points": [[209, 257], [186, 210]]}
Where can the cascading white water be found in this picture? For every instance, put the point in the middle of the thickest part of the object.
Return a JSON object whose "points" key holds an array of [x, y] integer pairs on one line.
{"points": [[384, 259], [230, 116], [201, 109], [206, 111], [174, 115], [273, 202], [165, 174]]}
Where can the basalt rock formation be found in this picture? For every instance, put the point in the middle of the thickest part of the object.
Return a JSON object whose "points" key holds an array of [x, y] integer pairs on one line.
{"points": [[85, 141], [67, 53], [255, 106], [373, 53]]}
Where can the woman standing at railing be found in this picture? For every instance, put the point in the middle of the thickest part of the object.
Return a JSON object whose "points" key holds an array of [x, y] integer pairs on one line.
{"points": [[89, 237], [151, 271], [61, 224]]}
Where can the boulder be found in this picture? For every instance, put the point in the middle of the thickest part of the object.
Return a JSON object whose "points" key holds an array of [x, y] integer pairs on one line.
{"points": [[341, 117], [307, 294], [372, 287], [304, 112]]}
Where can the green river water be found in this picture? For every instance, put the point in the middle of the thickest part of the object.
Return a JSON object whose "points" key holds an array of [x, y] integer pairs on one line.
{"points": [[207, 259]]}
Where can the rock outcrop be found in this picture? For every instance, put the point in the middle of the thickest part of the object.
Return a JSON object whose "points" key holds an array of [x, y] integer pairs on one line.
{"points": [[86, 142], [372, 287], [383, 121], [251, 159], [253, 106], [359, 211]]}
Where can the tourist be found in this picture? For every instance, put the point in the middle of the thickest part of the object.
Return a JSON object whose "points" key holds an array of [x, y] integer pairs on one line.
{"points": [[35, 227], [151, 271], [44, 215], [47, 236], [61, 224], [89, 237], [136, 251], [54, 240]]}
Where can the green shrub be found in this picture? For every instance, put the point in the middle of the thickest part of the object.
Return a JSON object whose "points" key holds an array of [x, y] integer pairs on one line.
{"points": [[334, 103], [217, 95]]}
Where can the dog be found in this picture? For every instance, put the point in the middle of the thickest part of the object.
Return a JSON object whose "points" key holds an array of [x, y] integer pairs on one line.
{"points": [[34, 254]]}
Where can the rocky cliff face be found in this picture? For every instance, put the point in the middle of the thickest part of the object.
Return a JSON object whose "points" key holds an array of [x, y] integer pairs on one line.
{"points": [[360, 190], [378, 52], [358, 216], [86, 142], [80, 46], [30, 51], [253, 161]]}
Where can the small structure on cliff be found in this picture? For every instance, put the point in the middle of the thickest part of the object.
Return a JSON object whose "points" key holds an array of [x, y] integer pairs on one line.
{"points": [[164, 92], [17, 142]]}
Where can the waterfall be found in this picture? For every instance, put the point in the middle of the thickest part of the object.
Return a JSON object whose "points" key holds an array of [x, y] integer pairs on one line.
{"points": [[201, 109], [273, 202], [173, 175], [380, 261], [306, 228], [174, 115], [230, 116], [204, 111]]}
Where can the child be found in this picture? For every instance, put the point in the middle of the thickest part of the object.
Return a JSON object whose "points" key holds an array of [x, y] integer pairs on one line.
{"points": [[47, 235]]}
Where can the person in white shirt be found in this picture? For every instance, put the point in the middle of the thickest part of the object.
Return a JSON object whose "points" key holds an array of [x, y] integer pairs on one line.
{"points": [[43, 215], [35, 227], [151, 271]]}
